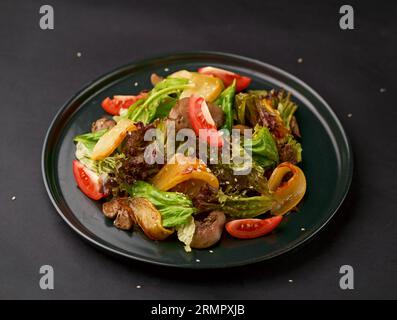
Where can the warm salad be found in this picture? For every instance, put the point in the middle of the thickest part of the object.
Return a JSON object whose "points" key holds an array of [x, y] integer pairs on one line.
{"points": [[194, 155]]}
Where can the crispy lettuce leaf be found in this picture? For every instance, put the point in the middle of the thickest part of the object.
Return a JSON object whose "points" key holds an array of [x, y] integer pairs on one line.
{"points": [[237, 206], [108, 165], [175, 208], [263, 147], [165, 107], [158, 102], [241, 101], [226, 101], [246, 106], [232, 184], [242, 207], [84, 146], [90, 139]]}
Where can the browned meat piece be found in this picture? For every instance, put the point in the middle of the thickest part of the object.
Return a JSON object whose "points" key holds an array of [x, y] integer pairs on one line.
{"points": [[149, 219], [102, 123], [191, 188], [217, 114], [112, 208], [110, 186], [179, 114], [155, 79], [206, 199], [123, 220], [208, 230], [134, 142]]}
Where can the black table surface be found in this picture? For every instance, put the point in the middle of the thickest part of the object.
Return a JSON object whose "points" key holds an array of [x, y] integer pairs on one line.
{"points": [[354, 70]]}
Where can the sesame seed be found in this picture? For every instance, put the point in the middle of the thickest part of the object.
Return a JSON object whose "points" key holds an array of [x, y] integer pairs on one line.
{"points": [[211, 251], [303, 229], [78, 54], [227, 182], [13, 198], [166, 69], [235, 179], [197, 260], [136, 84], [300, 60], [382, 90], [138, 287], [349, 115], [290, 280]]}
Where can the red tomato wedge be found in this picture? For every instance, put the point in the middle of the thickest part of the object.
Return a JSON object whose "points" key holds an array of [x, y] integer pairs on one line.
{"points": [[202, 122], [252, 228], [227, 77], [115, 105], [87, 181]]}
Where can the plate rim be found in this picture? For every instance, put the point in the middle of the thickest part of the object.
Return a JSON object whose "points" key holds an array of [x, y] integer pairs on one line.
{"points": [[184, 54]]}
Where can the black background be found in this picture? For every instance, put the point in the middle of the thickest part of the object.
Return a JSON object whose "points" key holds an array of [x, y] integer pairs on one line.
{"points": [[40, 70]]}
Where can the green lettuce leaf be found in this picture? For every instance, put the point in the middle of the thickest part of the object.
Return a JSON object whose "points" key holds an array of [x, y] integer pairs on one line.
{"points": [[240, 206], [263, 147], [108, 165], [245, 207], [158, 102], [240, 106], [246, 106], [286, 108], [226, 101], [90, 139], [232, 183], [175, 208]]}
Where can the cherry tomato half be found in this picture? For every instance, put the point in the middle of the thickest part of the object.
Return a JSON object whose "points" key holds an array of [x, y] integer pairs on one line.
{"points": [[202, 122], [87, 181], [252, 228], [118, 103]]}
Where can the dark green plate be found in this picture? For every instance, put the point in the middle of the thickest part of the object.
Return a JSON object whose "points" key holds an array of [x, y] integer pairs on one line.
{"points": [[327, 163]]}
